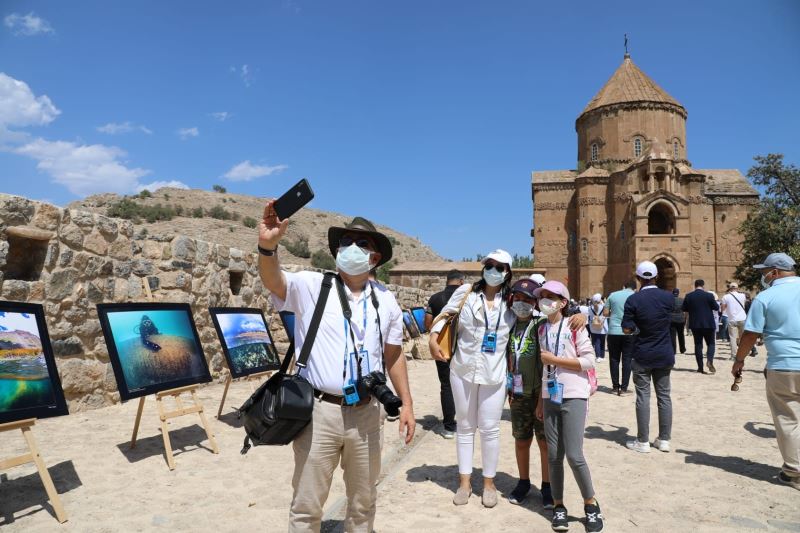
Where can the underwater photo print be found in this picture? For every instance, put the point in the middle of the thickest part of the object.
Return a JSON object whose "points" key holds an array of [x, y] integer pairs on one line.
{"points": [[245, 340], [153, 347], [29, 383]]}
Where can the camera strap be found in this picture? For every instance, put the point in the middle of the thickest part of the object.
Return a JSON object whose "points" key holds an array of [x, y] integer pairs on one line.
{"points": [[348, 315]]}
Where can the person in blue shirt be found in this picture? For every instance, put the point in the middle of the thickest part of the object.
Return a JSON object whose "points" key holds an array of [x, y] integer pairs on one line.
{"points": [[775, 316], [700, 305], [620, 346], [648, 315]]}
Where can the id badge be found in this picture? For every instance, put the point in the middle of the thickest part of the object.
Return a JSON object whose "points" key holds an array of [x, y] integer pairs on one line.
{"points": [[350, 393], [558, 397], [518, 384], [552, 387], [489, 343], [509, 382], [363, 355]]}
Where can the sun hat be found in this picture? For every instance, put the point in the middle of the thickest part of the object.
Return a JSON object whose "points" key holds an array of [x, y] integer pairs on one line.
{"points": [[556, 287], [360, 225], [538, 278], [647, 270]]}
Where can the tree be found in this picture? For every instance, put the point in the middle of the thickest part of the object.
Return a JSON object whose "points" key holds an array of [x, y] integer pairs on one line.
{"points": [[382, 273], [219, 188], [774, 226], [522, 261]]}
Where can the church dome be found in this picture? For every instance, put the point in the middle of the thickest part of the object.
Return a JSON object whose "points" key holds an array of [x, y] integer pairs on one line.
{"points": [[629, 85]]}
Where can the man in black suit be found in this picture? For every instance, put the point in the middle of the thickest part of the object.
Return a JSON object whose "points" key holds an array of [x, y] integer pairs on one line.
{"points": [[700, 305]]}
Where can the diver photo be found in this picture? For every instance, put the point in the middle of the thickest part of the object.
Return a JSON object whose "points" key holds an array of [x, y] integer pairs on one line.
{"points": [[245, 340], [29, 384], [152, 347]]}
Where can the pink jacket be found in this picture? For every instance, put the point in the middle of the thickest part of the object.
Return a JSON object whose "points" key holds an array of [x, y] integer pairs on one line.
{"points": [[570, 346]]}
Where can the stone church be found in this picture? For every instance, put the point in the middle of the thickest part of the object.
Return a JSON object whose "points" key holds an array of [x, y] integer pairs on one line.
{"points": [[635, 196]]}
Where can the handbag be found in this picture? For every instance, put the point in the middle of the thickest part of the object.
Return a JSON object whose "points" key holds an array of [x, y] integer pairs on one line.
{"points": [[448, 336], [283, 405]]}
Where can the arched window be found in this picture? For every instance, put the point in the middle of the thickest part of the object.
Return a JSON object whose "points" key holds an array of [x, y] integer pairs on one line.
{"points": [[584, 245], [708, 246], [676, 149], [637, 147], [594, 151], [622, 231], [660, 220], [571, 240]]}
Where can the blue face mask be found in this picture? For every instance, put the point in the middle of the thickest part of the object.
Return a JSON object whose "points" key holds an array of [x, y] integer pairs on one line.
{"points": [[353, 260]]}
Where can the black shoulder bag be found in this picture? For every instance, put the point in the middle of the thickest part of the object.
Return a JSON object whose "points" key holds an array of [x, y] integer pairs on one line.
{"points": [[281, 407]]}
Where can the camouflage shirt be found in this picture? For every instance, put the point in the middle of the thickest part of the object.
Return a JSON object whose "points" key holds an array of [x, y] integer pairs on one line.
{"points": [[530, 361]]}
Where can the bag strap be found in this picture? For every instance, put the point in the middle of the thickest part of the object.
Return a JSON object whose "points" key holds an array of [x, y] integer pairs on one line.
{"points": [[308, 343], [443, 316], [348, 313]]}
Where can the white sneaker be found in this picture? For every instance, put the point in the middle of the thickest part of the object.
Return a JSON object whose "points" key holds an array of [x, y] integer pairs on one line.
{"points": [[447, 434], [662, 445], [641, 447]]}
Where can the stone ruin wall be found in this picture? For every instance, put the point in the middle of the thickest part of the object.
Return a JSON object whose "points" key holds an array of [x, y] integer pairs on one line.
{"points": [[69, 261]]}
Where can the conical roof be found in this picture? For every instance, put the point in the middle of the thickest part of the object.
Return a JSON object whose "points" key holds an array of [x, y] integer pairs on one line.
{"points": [[627, 85]]}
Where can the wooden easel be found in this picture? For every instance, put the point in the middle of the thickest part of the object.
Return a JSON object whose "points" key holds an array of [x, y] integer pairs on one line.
{"points": [[34, 457], [249, 379], [164, 415]]}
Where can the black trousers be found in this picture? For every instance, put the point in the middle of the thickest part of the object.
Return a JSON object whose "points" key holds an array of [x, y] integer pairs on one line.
{"points": [[676, 330], [446, 396], [700, 335], [620, 349]]}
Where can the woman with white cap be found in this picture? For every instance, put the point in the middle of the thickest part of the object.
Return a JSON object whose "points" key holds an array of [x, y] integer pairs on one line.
{"points": [[478, 369]]}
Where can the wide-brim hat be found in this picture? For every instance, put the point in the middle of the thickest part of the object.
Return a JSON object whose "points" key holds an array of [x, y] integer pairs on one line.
{"points": [[361, 225]]}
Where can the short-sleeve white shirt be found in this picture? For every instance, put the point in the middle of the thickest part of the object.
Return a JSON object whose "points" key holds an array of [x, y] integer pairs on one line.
{"points": [[734, 306], [332, 347]]}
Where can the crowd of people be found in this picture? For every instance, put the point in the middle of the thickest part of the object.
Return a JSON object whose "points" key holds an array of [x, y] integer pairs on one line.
{"points": [[524, 342]]}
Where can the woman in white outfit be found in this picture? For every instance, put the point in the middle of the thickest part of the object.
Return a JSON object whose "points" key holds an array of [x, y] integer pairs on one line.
{"points": [[478, 370]]}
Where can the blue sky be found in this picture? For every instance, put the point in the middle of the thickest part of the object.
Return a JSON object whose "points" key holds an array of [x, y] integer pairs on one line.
{"points": [[425, 116]]}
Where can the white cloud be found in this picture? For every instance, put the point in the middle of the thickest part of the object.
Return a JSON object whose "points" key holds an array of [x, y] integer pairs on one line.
{"points": [[222, 116], [84, 169], [185, 133], [27, 25], [154, 186], [19, 106], [115, 128], [245, 72], [246, 171]]}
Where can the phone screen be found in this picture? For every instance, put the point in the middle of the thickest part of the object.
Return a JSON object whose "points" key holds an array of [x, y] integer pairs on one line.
{"points": [[293, 199]]}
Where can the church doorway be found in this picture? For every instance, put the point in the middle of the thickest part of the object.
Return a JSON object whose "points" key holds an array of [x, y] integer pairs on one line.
{"points": [[667, 278], [660, 220]]}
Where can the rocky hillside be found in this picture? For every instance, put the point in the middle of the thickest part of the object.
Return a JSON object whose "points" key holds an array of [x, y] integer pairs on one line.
{"points": [[230, 219]]}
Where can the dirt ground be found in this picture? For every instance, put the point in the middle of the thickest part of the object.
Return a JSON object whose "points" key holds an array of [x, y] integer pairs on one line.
{"points": [[720, 475]]}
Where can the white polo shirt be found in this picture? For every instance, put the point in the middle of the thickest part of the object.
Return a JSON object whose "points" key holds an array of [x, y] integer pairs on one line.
{"points": [[329, 357]]}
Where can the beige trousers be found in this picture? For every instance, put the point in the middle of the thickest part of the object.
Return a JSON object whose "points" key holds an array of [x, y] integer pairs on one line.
{"points": [[347, 435], [735, 332], [783, 397]]}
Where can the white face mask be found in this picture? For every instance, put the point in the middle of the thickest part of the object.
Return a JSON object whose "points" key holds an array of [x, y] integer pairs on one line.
{"points": [[522, 309], [353, 260], [548, 306], [492, 277]]}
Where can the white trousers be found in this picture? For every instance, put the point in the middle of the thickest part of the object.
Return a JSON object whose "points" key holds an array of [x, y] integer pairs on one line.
{"points": [[478, 407]]}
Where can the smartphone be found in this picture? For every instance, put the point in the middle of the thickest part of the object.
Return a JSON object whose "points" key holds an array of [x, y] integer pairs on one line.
{"points": [[293, 199]]}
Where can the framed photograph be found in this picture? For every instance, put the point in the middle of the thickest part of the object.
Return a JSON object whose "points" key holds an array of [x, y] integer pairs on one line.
{"points": [[410, 324], [29, 383], [245, 339], [153, 347], [419, 317]]}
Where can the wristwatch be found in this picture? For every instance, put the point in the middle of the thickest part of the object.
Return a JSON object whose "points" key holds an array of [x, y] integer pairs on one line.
{"points": [[267, 251]]}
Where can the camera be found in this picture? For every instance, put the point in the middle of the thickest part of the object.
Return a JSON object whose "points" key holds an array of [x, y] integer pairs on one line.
{"points": [[374, 383]]}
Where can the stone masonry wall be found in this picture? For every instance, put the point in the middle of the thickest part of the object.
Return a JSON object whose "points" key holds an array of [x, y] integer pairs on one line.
{"points": [[70, 260]]}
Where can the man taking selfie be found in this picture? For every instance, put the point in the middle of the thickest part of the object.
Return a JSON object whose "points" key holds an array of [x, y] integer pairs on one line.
{"points": [[346, 422]]}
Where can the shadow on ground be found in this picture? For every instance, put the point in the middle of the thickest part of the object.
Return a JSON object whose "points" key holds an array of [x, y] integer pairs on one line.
{"points": [[619, 434], [23, 492], [765, 430], [734, 465], [186, 439]]}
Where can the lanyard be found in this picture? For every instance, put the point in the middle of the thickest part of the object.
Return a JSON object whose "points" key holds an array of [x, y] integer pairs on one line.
{"points": [[357, 346], [547, 342], [519, 345], [486, 317]]}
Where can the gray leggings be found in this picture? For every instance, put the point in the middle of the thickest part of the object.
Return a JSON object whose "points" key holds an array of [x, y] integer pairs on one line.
{"points": [[563, 428]]}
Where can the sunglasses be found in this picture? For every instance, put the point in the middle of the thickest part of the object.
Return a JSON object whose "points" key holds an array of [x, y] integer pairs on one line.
{"points": [[361, 242], [497, 266]]}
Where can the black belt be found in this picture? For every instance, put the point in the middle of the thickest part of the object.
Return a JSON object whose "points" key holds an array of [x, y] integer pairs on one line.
{"points": [[338, 400]]}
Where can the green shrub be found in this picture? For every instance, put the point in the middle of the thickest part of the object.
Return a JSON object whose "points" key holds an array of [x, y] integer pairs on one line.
{"points": [[382, 274], [250, 222], [298, 248], [130, 210], [144, 193], [219, 213], [323, 259], [197, 212], [219, 188]]}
